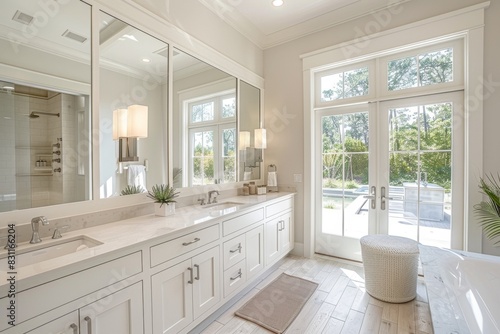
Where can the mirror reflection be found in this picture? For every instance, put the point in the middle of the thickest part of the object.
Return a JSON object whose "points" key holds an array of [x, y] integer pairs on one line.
{"points": [[251, 136], [132, 109], [204, 123], [44, 104]]}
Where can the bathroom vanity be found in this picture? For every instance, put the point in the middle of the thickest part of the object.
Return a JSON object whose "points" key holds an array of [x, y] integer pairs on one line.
{"points": [[148, 274]]}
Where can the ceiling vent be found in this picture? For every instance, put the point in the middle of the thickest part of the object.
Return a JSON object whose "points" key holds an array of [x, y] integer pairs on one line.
{"points": [[74, 36], [162, 52], [22, 18]]}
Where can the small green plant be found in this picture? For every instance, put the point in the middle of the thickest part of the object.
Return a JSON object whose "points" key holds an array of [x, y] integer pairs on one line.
{"points": [[163, 194], [329, 205], [489, 212], [130, 190]]}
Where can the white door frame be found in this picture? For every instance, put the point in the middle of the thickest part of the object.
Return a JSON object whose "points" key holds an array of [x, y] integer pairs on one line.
{"points": [[468, 24]]}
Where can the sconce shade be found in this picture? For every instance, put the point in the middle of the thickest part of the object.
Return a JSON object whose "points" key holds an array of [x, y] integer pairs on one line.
{"points": [[244, 141], [137, 120], [131, 122], [119, 123], [260, 138]]}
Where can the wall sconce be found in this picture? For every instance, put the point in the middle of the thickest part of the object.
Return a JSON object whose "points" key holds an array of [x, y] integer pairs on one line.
{"points": [[244, 140], [129, 125], [260, 143]]}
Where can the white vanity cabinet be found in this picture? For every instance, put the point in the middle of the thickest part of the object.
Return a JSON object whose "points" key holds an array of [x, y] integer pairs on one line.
{"points": [[183, 292], [67, 324], [278, 231], [120, 312], [254, 240]]}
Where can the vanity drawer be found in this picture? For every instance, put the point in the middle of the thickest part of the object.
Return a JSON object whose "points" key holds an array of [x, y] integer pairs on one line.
{"points": [[234, 251], [234, 277], [237, 223], [173, 248], [279, 207], [42, 298]]}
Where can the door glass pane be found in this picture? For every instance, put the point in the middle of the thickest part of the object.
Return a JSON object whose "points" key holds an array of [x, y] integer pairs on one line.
{"points": [[345, 175], [229, 154], [203, 158], [344, 85], [420, 173], [420, 70]]}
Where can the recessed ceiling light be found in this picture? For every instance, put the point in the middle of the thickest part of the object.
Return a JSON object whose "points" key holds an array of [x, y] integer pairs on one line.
{"points": [[277, 3], [146, 60], [8, 87]]}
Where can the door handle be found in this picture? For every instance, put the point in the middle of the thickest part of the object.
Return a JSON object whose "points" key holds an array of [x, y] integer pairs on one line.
{"points": [[74, 327], [383, 198], [372, 197], [190, 275], [89, 324], [197, 272]]}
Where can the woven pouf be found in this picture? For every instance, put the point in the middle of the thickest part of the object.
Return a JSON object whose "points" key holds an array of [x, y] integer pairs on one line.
{"points": [[391, 267]]}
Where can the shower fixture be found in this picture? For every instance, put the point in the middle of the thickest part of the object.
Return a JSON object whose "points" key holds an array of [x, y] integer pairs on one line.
{"points": [[36, 114]]}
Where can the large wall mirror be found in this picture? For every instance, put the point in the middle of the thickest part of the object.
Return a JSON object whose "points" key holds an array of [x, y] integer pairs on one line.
{"points": [[204, 123], [45, 76], [133, 70], [207, 123], [46, 137]]}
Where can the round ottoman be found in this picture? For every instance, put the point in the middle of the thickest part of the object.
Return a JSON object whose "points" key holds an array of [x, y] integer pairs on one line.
{"points": [[391, 267]]}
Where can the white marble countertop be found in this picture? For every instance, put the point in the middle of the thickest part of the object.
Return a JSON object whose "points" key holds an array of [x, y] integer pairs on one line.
{"points": [[120, 235]]}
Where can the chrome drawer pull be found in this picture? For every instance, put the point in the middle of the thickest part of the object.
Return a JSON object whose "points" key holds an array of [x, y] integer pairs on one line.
{"points": [[236, 250], [237, 276], [191, 242], [74, 327]]}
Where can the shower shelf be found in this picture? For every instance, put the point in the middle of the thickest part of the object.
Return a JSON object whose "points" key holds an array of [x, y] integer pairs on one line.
{"points": [[35, 174], [45, 169]]}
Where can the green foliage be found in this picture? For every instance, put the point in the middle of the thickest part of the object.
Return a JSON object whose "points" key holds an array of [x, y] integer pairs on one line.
{"points": [[489, 212], [163, 194], [130, 190]]}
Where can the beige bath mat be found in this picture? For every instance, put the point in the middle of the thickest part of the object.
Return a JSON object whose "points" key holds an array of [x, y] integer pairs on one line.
{"points": [[277, 305]]}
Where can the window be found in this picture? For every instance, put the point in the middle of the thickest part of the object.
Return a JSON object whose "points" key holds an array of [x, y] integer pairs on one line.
{"points": [[344, 85], [424, 69], [212, 139]]}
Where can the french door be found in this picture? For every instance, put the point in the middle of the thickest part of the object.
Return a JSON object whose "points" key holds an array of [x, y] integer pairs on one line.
{"points": [[393, 167]]}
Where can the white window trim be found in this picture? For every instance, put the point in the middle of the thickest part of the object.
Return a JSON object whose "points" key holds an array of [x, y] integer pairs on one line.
{"points": [[467, 23]]}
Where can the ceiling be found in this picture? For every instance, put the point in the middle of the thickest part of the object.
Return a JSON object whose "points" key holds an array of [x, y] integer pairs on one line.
{"points": [[267, 26]]}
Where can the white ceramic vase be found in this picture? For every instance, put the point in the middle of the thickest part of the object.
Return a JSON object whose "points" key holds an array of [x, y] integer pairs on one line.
{"points": [[165, 209]]}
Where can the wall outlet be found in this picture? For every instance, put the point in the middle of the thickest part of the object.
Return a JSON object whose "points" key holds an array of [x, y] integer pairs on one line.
{"points": [[297, 178]]}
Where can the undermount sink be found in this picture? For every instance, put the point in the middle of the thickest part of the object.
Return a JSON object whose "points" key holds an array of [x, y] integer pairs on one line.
{"points": [[223, 208], [46, 250]]}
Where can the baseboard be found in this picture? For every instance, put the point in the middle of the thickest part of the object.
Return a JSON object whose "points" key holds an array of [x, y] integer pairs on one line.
{"points": [[298, 249]]}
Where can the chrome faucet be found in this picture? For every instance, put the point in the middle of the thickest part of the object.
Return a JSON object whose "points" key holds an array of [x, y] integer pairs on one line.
{"points": [[210, 193], [35, 237]]}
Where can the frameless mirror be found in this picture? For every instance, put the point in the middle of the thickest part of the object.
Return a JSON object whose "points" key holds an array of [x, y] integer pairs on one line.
{"points": [[45, 77], [249, 118], [204, 123], [132, 109]]}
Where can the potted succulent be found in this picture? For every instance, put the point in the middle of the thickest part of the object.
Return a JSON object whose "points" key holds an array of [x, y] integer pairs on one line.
{"points": [[489, 212], [163, 196]]}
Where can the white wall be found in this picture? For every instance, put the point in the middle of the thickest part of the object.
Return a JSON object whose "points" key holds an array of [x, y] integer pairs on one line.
{"points": [[284, 91]]}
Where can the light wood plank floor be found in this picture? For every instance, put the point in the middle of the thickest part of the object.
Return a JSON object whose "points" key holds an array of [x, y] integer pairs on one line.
{"points": [[340, 304]]}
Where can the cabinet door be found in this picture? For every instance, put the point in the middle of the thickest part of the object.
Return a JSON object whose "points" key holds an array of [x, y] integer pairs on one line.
{"points": [[255, 251], [207, 281], [121, 312], [272, 242], [172, 295], [67, 324], [286, 233]]}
